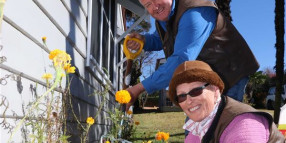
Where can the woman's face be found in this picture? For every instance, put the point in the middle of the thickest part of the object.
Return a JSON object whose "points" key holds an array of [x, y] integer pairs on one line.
{"points": [[159, 9], [199, 107]]}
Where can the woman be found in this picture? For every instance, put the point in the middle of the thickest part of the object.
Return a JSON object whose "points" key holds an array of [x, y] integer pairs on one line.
{"points": [[197, 89]]}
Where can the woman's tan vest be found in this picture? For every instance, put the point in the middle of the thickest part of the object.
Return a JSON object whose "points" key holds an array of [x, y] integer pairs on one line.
{"points": [[228, 110], [225, 50]]}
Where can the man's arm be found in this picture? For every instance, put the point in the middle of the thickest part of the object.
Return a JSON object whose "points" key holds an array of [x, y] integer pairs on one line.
{"points": [[153, 42], [195, 26]]}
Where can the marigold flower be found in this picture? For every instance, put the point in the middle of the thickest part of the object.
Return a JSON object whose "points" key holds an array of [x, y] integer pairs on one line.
{"points": [[122, 96], [158, 137], [137, 122], [54, 53], [66, 66], [60, 58], [166, 136], [44, 39], [90, 120], [162, 135], [71, 70], [47, 76], [129, 112]]}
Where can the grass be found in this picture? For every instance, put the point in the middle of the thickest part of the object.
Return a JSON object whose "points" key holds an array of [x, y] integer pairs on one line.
{"points": [[151, 123], [172, 122]]}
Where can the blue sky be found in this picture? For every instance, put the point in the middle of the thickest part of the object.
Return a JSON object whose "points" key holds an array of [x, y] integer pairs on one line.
{"points": [[254, 19]]}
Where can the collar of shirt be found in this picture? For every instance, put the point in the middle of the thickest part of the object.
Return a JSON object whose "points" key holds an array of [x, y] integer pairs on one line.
{"points": [[200, 128], [172, 9], [163, 23]]}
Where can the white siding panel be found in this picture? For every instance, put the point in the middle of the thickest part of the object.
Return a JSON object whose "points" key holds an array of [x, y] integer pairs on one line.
{"points": [[37, 25], [20, 98], [83, 5], [18, 102], [30, 18], [23, 54], [74, 8], [60, 14]]}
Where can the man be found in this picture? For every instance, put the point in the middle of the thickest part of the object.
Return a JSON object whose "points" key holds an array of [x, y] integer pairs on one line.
{"points": [[194, 30]]}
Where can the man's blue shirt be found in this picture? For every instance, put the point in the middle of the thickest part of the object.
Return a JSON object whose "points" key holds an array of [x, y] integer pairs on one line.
{"points": [[194, 28]]}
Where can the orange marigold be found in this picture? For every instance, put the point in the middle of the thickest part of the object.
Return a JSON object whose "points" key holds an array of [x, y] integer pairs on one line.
{"points": [[122, 96], [137, 122], [129, 112], [162, 135]]}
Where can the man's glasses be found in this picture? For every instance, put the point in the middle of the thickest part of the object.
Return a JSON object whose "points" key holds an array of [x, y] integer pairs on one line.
{"points": [[193, 93]]}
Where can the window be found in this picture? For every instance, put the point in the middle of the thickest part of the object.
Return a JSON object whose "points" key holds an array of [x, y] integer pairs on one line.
{"points": [[101, 51]]}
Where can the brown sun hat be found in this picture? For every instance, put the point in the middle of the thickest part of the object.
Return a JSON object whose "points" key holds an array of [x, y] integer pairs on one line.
{"points": [[192, 71]]}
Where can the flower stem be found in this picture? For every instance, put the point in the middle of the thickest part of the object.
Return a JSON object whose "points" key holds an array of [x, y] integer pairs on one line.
{"points": [[84, 139], [57, 80]]}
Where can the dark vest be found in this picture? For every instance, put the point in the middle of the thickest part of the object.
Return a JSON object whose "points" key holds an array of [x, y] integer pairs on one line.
{"points": [[227, 111], [225, 50]]}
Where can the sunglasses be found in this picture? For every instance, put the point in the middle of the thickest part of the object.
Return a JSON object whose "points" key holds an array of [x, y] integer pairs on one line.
{"points": [[193, 93]]}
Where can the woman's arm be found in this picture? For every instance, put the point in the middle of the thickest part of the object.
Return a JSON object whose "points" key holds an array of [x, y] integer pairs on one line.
{"points": [[246, 128]]}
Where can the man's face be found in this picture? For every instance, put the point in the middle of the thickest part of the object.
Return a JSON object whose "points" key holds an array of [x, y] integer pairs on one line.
{"points": [[159, 9]]}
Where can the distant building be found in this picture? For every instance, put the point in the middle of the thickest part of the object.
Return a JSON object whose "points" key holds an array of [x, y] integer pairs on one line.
{"points": [[165, 104]]}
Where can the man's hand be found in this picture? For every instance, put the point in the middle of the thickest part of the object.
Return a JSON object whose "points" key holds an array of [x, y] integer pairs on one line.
{"points": [[134, 91], [133, 45]]}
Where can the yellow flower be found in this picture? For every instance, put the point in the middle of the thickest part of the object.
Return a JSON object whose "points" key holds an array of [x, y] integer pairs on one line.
{"points": [[70, 70], [137, 122], [66, 66], [90, 120], [122, 96], [129, 112], [54, 53], [44, 39], [162, 135], [149, 142], [47, 76], [107, 142], [60, 58]]}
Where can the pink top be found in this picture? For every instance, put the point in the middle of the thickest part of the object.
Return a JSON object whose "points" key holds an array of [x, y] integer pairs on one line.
{"points": [[245, 128]]}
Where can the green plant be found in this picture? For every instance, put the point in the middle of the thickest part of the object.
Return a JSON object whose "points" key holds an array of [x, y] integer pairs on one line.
{"points": [[46, 117], [123, 124]]}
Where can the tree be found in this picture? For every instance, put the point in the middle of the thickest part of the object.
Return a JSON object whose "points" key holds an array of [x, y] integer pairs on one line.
{"points": [[224, 6], [279, 29], [143, 27], [257, 88]]}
